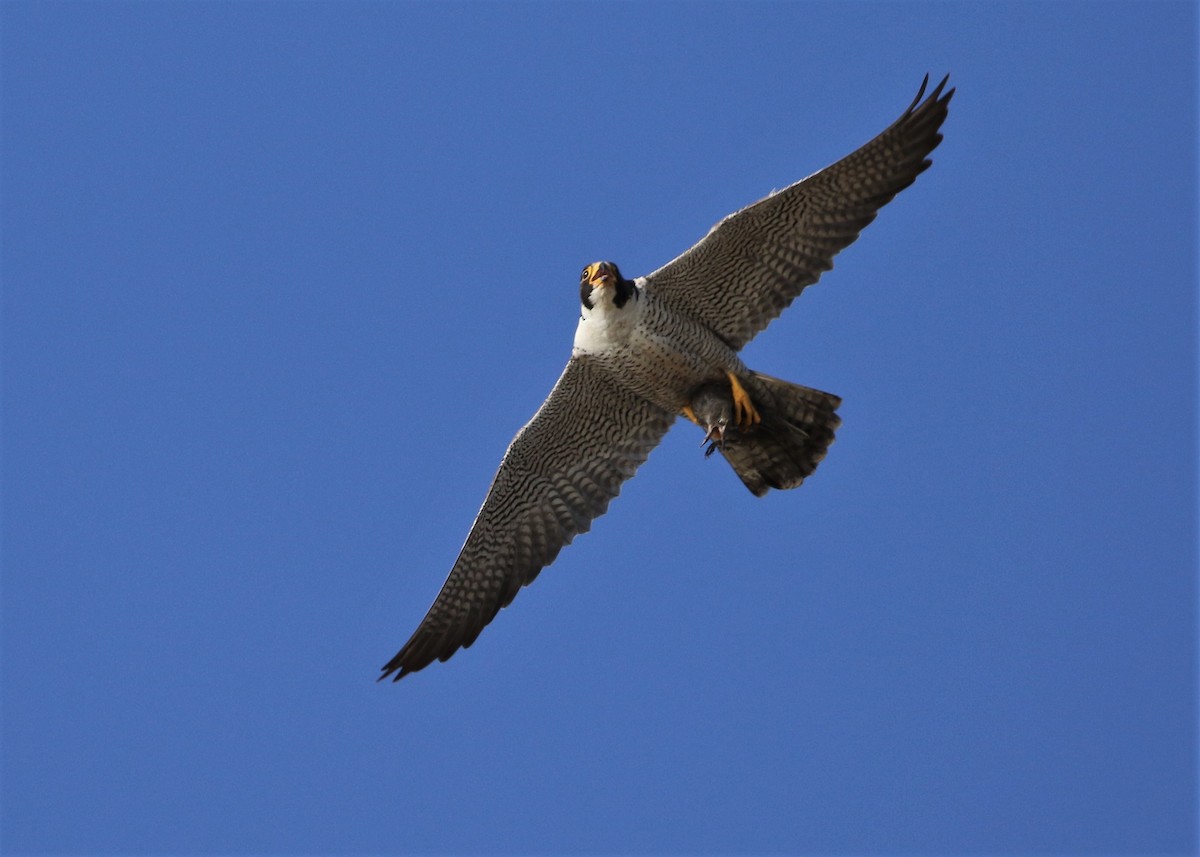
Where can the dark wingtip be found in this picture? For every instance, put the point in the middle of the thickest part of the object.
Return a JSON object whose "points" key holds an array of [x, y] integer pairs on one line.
{"points": [[935, 97], [920, 93], [394, 666]]}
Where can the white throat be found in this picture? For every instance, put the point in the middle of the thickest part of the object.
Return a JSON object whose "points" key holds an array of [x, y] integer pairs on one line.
{"points": [[606, 326]]}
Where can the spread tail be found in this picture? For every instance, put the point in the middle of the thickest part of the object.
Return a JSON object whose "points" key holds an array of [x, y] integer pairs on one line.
{"points": [[785, 447]]}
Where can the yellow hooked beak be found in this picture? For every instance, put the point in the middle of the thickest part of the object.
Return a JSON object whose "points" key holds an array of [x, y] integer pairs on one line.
{"points": [[600, 274]]}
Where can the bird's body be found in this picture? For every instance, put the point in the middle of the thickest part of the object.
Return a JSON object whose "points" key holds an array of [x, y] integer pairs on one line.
{"points": [[659, 353], [649, 349]]}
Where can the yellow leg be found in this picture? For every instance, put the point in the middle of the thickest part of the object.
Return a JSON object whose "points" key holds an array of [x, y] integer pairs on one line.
{"points": [[744, 412], [690, 414]]}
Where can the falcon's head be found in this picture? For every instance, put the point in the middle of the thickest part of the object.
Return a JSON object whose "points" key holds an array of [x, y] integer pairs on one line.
{"points": [[602, 282]]}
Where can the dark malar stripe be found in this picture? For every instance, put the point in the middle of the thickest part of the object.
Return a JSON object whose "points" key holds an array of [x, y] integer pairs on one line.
{"points": [[625, 289]]}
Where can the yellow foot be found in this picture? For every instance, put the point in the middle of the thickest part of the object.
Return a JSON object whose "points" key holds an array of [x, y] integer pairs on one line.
{"points": [[690, 414], [744, 413]]}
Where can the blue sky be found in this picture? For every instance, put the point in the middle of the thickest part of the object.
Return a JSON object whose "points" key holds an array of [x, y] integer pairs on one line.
{"points": [[281, 281]]}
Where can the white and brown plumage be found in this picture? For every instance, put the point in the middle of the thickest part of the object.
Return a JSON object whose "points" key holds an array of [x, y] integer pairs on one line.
{"points": [[649, 349]]}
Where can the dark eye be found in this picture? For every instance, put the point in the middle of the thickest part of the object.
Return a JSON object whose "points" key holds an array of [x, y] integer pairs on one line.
{"points": [[583, 276]]}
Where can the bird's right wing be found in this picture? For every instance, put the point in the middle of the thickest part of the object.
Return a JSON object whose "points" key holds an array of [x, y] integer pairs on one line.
{"points": [[559, 473]]}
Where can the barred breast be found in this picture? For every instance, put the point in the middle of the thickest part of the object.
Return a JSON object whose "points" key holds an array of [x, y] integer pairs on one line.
{"points": [[658, 352]]}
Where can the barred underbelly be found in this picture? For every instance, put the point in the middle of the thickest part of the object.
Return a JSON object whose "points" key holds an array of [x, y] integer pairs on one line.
{"points": [[654, 352], [667, 361], [659, 370]]}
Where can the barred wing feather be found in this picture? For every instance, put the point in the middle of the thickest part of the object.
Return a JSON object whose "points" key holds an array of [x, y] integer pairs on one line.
{"points": [[558, 475], [755, 262]]}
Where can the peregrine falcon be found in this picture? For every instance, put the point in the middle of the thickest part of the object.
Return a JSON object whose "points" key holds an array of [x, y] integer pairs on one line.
{"points": [[649, 349]]}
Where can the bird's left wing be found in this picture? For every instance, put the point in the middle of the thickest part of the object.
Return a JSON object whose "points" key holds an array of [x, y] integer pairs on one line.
{"points": [[756, 261], [559, 473]]}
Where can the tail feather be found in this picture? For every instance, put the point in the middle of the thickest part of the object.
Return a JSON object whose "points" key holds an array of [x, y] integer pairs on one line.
{"points": [[797, 427]]}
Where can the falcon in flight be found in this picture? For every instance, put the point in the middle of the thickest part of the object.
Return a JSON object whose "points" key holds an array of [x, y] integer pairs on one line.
{"points": [[650, 349]]}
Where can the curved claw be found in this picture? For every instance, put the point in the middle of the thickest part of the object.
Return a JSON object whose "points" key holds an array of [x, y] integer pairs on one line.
{"points": [[744, 412]]}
